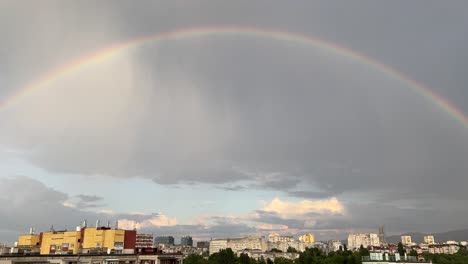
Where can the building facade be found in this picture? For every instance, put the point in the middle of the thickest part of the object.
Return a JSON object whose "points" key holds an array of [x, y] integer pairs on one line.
{"points": [[406, 240], [236, 244], [307, 238], [168, 240], [186, 241], [144, 240], [429, 239], [366, 240]]}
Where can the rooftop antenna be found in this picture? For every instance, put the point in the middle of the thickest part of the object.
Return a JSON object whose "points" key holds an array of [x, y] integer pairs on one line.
{"points": [[108, 223], [97, 223], [84, 223], [52, 228], [116, 224]]}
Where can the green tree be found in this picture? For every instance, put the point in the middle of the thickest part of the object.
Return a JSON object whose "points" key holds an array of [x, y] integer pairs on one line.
{"points": [[413, 253], [363, 251], [195, 259], [224, 256], [291, 250], [244, 259], [275, 250], [282, 260], [261, 261], [401, 249], [269, 261]]}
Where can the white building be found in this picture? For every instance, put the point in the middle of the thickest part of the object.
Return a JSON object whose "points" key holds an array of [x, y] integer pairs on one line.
{"points": [[333, 245], [237, 244], [275, 237], [406, 240], [429, 239], [217, 244], [358, 239]]}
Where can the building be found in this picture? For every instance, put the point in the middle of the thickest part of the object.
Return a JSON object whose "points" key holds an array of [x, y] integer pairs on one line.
{"points": [[203, 244], [333, 245], [217, 244], [356, 240], [186, 241], [406, 240], [275, 237], [236, 244], [154, 258], [307, 238], [429, 239], [384, 258], [167, 240], [144, 240], [82, 240], [60, 242]]}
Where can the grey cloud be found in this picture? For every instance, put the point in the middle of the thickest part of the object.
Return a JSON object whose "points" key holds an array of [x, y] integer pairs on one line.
{"points": [[191, 111]]}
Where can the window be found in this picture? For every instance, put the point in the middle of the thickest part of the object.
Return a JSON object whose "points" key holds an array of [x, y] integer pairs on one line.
{"points": [[64, 245], [98, 244], [118, 244], [72, 245]]}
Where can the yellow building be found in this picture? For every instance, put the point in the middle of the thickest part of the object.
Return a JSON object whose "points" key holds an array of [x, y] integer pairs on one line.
{"points": [[111, 239], [59, 242], [28, 240], [307, 238]]}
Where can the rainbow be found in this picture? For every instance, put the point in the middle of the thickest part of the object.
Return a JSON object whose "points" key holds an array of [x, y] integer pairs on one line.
{"points": [[115, 49]]}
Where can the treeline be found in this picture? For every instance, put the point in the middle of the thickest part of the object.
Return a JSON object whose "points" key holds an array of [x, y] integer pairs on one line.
{"points": [[310, 256], [315, 256], [461, 257]]}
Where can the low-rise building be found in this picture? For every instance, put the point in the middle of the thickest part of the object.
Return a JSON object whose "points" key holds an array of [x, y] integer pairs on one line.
{"points": [[144, 240]]}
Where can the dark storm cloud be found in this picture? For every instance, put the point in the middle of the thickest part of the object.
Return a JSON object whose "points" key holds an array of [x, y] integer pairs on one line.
{"points": [[276, 115]]}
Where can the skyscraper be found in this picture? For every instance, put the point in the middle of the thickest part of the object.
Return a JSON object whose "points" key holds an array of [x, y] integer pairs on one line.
{"points": [[186, 241], [168, 240]]}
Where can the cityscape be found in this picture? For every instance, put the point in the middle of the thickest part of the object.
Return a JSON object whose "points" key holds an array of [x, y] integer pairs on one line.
{"points": [[233, 131], [111, 244]]}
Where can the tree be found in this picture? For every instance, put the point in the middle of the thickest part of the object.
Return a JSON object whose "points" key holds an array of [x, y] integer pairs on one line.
{"points": [[401, 249], [224, 256], [261, 261], [195, 259], [291, 250], [363, 251], [269, 261], [281, 260], [244, 259], [413, 253], [345, 248], [275, 250]]}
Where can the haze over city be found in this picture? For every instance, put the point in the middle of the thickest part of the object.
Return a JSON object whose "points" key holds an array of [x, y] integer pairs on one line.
{"points": [[227, 119]]}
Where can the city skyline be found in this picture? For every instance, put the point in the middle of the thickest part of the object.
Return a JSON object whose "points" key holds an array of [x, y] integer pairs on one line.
{"points": [[218, 120]]}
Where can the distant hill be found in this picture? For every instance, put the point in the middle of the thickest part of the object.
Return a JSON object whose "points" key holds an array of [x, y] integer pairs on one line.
{"points": [[457, 235]]}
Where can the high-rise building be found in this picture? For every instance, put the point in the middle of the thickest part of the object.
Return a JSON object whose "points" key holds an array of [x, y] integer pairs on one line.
{"points": [[429, 239], [406, 240], [168, 240], [203, 244], [307, 238], [186, 241], [381, 234], [237, 244], [358, 239], [275, 237]]}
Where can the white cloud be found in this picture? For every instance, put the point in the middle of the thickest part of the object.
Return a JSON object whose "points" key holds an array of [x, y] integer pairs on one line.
{"points": [[292, 209]]}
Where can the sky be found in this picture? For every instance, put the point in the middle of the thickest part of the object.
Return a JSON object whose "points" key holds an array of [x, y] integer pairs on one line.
{"points": [[228, 135]]}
